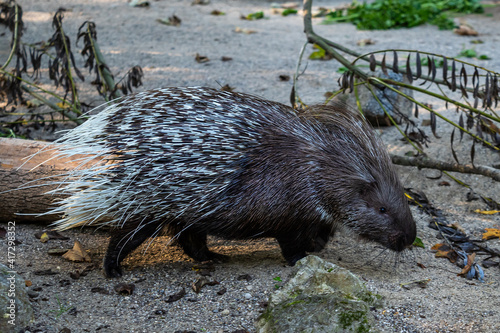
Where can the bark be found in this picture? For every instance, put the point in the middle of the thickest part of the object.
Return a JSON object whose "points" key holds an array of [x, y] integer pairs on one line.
{"points": [[25, 170]]}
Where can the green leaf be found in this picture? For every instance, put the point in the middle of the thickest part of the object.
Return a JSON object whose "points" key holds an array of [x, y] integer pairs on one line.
{"points": [[468, 53], [289, 11], [255, 16], [418, 243]]}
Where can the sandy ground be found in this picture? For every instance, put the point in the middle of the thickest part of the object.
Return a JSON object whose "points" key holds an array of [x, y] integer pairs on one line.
{"points": [[131, 36]]}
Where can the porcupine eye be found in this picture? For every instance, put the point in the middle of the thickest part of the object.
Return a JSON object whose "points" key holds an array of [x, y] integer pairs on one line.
{"points": [[383, 210]]}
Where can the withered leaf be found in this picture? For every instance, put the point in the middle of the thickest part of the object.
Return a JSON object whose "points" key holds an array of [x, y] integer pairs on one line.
{"points": [[125, 289], [44, 236], [57, 252], [445, 70], [177, 296], [351, 83], [489, 263], [410, 285], [365, 41], [444, 183], [201, 282], [445, 251], [453, 76], [409, 74], [419, 67], [216, 12], [461, 124], [172, 20], [373, 64], [473, 152], [487, 212], [433, 67], [395, 67], [463, 76], [99, 290], [491, 233], [487, 98], [284, 77], [416, 111], [470, 262], [201, 59], [465, 30], [77, 253], [200, 2], [224, 58], [244, 30], [384, 66], [451, 145], [433, 125]]}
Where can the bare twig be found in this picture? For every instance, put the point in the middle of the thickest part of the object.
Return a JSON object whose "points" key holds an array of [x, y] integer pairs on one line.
{"points": [[426, 162]]}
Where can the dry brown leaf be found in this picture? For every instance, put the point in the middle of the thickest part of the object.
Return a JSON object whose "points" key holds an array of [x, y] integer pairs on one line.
{"points": [[458, 227], [365, 41], [244, 31], [465, 30], [470, 262], [77, 253], [201, 59], [444, 251]]}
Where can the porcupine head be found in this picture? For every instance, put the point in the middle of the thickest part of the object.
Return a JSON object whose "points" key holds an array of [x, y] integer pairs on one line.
{"points": [[360, 182]]}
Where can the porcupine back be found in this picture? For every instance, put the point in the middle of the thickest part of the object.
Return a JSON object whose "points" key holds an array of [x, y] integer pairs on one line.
{"points": [[160, 153]]}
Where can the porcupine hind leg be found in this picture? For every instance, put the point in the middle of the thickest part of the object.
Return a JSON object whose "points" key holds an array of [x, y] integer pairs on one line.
{"points": [[319, 242], [194, 245], [122, 242]]}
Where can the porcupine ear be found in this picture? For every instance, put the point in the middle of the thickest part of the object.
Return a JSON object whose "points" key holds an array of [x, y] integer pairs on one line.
{"points": [[365, 188]]}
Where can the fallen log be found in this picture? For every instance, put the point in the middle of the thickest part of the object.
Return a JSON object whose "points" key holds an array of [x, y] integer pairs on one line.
{"points": [[25, 170]]}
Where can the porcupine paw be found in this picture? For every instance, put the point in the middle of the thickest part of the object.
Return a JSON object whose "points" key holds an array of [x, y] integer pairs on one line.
{"points": [[112, 269], [293, 252], [292, 259], [206, 255]]}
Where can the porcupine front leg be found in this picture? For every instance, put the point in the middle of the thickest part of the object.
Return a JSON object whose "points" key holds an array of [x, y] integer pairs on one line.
{"points": [[292, 249], [194, 245], [123, 242]]}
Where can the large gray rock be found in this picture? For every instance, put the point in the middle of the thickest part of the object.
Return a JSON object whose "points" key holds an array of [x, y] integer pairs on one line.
{"points": [[320, 297], [392, 101], [16, 311]]}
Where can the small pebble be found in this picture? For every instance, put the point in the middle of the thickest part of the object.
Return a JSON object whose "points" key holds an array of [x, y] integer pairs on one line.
{"points": [[248, 296]]}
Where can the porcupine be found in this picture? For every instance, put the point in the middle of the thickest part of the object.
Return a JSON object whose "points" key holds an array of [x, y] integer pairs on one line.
{"points": [[199, 162]]}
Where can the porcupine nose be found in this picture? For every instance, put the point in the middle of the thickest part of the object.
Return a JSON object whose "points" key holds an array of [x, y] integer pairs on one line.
{"points": [[403, 239]]}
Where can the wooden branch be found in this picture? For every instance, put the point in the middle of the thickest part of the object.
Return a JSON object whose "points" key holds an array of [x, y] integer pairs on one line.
{"points": [[425, 162], [312, 37], [23, 180]]}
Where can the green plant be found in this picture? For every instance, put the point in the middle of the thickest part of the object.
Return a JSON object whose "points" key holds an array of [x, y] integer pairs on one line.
{"points": [[20, 80], [61, 308], [390, 14]]}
